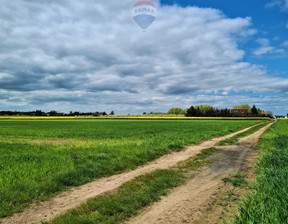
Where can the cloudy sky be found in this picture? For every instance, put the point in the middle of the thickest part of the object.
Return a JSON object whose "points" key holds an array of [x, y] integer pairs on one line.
{"points": [[91, 56]]}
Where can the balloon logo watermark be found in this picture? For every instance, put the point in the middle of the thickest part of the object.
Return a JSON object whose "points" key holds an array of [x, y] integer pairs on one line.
{"points": [[144, 13]]}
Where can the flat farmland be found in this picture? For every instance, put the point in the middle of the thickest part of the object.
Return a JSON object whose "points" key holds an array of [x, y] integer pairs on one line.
{"points": [[39, 158]]}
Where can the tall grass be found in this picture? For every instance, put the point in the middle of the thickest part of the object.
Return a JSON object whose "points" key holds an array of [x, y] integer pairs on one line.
{"points": [[268, 202], [32, 168]]}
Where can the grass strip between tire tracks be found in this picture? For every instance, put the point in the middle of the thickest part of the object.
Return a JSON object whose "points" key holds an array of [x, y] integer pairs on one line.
{"points": [[235, 138], [132, 196]]}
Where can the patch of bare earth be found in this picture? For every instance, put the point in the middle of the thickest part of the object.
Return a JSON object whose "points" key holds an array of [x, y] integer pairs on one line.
{"points": [[42, 141], [54, 142], [198, 200], [185, 203]]}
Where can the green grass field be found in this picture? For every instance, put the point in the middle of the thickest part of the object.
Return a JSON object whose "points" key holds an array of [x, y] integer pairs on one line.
{"points": [[268, 202], [41, 157]]}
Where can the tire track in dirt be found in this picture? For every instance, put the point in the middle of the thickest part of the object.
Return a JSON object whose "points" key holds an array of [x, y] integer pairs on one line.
{"points": [[65, 201], [195, 201]]}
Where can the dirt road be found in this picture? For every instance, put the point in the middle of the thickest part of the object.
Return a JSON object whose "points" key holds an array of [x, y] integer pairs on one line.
{"points": [[195, 201], [203, 184]]}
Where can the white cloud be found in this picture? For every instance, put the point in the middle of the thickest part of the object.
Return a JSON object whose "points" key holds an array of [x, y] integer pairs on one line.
{"points": [[286, 4], [273, 4], [89, 55], [263, 41], [282, 4], [285, 43], [265, 48]]}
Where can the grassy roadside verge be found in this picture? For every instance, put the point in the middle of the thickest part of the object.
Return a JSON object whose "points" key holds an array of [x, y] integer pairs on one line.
{"points": [[135, 194], [235, 138], [267, 202]]}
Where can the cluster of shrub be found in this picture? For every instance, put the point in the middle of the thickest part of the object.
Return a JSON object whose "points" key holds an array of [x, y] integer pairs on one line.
{"points": [[95, 114], [210, 111]]}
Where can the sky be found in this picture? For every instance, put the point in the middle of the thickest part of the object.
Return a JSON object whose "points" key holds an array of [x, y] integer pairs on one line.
{"points": [[91, 55]]}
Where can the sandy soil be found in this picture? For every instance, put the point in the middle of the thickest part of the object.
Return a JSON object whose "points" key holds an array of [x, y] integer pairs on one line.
{"points": [[195, 202], [185, 203], [54, 142], [43, 141]]}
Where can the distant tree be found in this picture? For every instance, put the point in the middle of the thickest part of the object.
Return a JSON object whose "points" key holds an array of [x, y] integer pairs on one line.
{"points": [[191, 112], [96, 114], [269, 112], [112, 113], [209, 111], [212, 112], [254, 110], [38, 113], [144, 113], [205, 110], [53, 113], [176, 110], [157, 113], [226, 112], [204, 107], [198, 112]]}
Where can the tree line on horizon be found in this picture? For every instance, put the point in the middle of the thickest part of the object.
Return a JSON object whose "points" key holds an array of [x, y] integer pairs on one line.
{"points": [[39, 113], [210, 111]]}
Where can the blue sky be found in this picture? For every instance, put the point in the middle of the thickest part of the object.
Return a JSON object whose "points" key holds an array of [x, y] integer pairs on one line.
{"points": [[91, 56]]}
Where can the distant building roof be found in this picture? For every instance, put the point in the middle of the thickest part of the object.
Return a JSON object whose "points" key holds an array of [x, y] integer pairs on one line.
{"points": [[238, 111]]}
